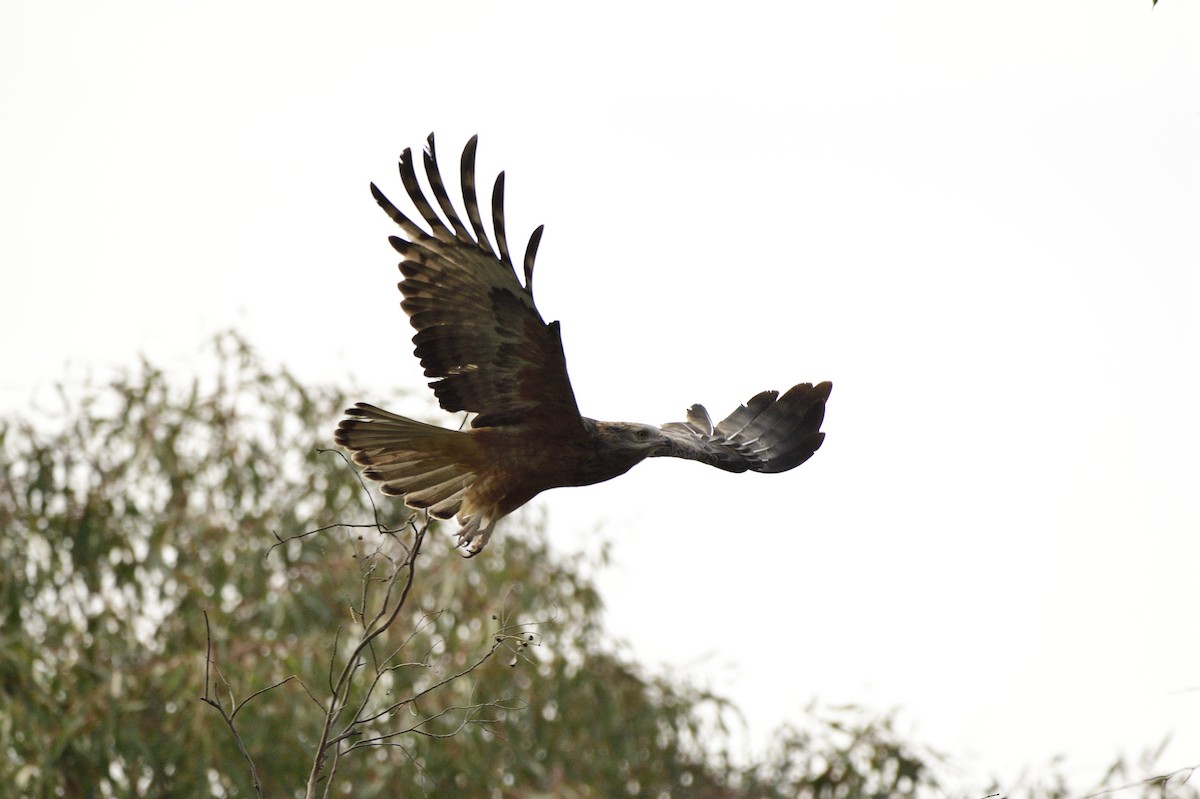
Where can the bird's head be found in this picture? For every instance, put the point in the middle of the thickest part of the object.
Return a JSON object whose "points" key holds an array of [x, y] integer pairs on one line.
{"points": [[643, 439]]}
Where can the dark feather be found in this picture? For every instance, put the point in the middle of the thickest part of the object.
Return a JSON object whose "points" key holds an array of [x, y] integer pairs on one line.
{"points": [[468, 188], [498, 219], [768, 434], [535, 238], [478, 331], [439, 190], [408, 175]]}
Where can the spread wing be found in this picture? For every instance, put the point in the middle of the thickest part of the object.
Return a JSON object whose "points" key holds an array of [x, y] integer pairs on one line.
{"points": [[769, 433], [478, 330]]}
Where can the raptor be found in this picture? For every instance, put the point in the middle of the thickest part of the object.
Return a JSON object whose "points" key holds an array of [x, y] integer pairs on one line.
{"points": [[481, 337]]}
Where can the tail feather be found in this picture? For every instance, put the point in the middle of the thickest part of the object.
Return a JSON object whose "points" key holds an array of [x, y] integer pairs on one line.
{"points": [[429, 466], [437, 494], [416, 475], [448, 507]]}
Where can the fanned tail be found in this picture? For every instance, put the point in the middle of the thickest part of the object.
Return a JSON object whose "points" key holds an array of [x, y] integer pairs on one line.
{"points": [[429, 466]]}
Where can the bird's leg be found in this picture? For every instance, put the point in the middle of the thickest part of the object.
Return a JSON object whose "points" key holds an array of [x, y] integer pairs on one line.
{"points": [[471, 539], [468, 531]]}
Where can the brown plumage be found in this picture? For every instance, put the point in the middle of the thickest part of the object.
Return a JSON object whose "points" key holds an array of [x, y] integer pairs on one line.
{"points": [[481, 336]]}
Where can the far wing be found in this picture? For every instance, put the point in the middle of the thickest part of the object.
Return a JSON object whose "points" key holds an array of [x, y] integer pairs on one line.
{"points": [[478, 330], [770, 433]]}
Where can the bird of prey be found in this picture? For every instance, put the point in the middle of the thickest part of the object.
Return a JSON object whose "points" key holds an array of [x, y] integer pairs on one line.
{"points": [[481, 337]]}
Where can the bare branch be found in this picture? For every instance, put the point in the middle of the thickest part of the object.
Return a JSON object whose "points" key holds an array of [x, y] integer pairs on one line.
{"points": [[262, 691], [340, 693], [378, 525], [1160, 781], [228, 717], [351, 710]]}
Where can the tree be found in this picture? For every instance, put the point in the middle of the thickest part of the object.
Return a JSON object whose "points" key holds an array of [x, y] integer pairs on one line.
{"points": [[154, 554], [146, 506]]}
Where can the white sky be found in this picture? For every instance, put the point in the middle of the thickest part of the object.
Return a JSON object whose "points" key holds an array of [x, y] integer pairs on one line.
{"points": [[979, 220]]}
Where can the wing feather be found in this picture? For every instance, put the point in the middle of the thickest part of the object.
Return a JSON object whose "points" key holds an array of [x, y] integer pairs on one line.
{"points": [[478, 331], [498, 222], [469, 198], [535, 238], [408, 176], [699, 421], [439, 190], [770, 433]]}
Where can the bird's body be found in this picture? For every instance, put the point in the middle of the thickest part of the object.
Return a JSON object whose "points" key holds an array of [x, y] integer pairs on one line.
{"points": [[480, 334]]}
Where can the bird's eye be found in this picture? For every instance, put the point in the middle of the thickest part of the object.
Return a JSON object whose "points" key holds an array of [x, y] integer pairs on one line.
{"points": [[642, 435]]}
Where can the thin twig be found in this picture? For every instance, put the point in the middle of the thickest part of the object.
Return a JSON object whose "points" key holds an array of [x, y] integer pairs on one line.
{"points": [[262, 691], [392, 591], [444, 681], [1162, 778], [341, 690], [382, 669], [208, 663], [468, 718], [378, 525]]}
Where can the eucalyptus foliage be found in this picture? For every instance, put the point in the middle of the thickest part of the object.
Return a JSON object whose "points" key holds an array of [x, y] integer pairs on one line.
{"points": [[140, 506], [193, 597]]}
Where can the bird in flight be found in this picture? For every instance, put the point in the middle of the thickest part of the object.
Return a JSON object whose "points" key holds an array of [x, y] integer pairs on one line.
{"points": [[481, 337]]}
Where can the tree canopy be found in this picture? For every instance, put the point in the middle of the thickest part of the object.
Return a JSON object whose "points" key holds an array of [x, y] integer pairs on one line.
{"points": [[165, 543]]}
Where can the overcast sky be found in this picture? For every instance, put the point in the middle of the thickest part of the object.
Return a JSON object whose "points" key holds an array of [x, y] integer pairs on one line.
{"points": [[979, 220]]}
